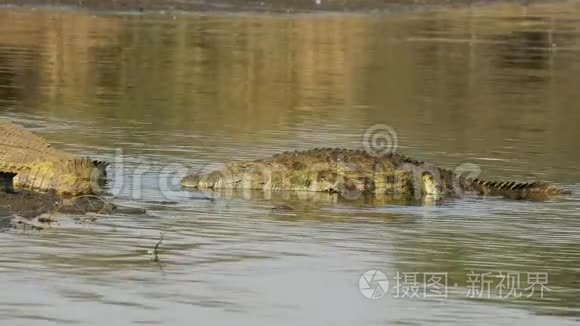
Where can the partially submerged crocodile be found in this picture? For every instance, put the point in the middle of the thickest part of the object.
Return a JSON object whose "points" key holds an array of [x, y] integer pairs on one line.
{"points": [[36, 165], [349, 172]]}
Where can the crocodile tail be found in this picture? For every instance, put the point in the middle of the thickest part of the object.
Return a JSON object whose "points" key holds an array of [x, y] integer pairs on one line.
{"points": [[515, 190]]}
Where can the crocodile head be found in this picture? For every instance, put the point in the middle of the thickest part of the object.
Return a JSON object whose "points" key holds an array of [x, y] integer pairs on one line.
{"points": [[191, 181]]}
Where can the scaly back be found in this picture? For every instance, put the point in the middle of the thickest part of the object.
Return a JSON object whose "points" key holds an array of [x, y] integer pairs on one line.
{"points": [[19, 146]]}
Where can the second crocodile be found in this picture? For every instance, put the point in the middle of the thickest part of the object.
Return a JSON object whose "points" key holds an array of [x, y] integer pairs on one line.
{"points": [[348, 172]]}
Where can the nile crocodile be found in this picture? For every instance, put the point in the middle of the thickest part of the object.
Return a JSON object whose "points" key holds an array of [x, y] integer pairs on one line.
{"points": [[36, 165], [348, 172]]}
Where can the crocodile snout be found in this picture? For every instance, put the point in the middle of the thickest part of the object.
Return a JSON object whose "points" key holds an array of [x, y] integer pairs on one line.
{"points": [[191, 181]]}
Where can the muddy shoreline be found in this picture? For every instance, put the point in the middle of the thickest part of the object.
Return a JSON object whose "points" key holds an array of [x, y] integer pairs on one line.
{"points": [[27, 203], [260, 6], [29, 209]]}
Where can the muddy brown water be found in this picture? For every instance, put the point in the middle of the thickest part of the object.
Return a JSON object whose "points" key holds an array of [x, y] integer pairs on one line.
{"points": [[490, 89]]}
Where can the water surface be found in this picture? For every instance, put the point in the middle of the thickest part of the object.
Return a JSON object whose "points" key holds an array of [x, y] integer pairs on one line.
{"points": [[161, 96]]}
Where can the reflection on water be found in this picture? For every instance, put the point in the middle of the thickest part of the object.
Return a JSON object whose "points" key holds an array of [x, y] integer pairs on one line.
{"points": [[494, 86]]}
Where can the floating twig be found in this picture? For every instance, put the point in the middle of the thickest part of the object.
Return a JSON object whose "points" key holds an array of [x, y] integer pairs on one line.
{"points": [[155, 251]]}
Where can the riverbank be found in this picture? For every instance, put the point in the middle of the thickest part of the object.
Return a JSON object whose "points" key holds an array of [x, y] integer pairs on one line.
{"points": [[274, 6]]}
